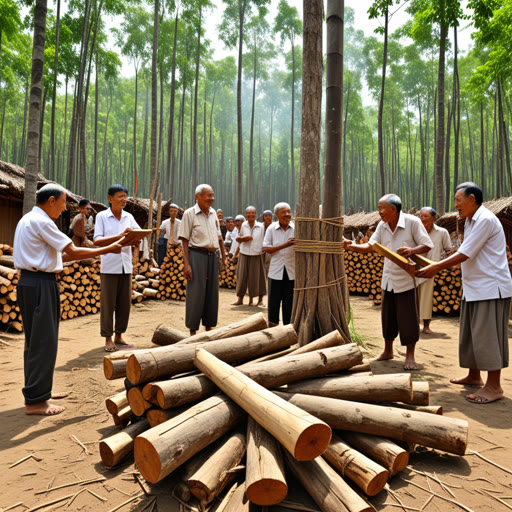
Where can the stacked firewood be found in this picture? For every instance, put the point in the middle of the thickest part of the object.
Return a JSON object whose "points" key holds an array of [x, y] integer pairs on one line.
{"points": [[243, 404], [364, 273], [173, 284], [227, 277], [10, 316]]}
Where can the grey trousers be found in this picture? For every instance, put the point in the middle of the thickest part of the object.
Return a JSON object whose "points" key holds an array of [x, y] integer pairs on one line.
{"points": [[483, 336], [39, 302], [202, 304], [116, 299]]}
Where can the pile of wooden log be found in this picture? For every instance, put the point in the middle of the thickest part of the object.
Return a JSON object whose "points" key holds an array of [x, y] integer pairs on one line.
{"points": [[173, 284], [227, 277], [5, 249], [244, 404], [10, 316], [364, 272]]}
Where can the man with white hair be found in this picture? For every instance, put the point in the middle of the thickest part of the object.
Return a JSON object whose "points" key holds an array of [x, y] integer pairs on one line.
{"points": [[38, 248], [202, 239], [239, 220], [278, 243]]}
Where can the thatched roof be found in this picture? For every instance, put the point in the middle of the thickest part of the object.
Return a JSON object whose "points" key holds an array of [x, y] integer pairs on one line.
{"points": [[12, 186], [360, 222]]}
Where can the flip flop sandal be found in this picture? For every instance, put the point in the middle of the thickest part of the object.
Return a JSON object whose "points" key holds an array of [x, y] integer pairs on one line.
{"points": [[481, 399], [111, 349]]}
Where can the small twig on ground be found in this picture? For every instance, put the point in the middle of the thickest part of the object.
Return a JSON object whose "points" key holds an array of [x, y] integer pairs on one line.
{"points": [[498, 499], [70, 484], [472, 479], [141, 484], [31, 456], [109, 488], [19, 504], [472, 452], [394, 495], [487, 441], [136, 497], [101, 498], [32, 473], [467, 509], [405, 507], [430, 498], [82, 445], [44, 505], [74, 497]]}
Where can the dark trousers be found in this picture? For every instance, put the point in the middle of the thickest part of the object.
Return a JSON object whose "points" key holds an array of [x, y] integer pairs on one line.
{"points": [[116, 299], [400, 316], [202, 304], [280, 291], [39, 302], [162, 249]]}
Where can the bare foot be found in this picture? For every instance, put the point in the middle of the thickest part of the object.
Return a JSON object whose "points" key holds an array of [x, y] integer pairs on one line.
{"points": [[426, 330], [120, 343], [239, 302], [467, 381], [260, 304], [109, 346], [44, 408], [384, 356], [251, 304], [410, 364], [485, 396]]}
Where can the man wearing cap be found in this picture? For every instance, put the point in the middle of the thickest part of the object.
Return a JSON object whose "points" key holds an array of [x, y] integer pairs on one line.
{"points": [[170, 228], [38, 248], [230, 226], [201, 237], [239, 220]]}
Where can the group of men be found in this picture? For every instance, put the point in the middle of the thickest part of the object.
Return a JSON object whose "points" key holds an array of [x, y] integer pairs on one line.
{"points": [[40, 249]]}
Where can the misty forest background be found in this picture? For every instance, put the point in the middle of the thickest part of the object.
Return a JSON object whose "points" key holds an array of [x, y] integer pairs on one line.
{"points": [[439, 116]]}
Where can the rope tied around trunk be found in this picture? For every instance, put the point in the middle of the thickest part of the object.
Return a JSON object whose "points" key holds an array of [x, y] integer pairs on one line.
{"points": [[326, 285], [319, 246]]}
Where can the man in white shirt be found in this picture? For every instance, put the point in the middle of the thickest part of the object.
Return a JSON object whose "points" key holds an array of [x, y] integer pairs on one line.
{"points": [[404, 234], [239, 220], [38, 248], [278, 244], [201, 237], [487, 288], [442, 244], [230, 227], [116, 269], [250, 270], [169, 230]]}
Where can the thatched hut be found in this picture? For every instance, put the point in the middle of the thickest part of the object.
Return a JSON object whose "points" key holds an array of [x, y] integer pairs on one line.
{"points": [[12, 190], [359, 222], [139, 208]]}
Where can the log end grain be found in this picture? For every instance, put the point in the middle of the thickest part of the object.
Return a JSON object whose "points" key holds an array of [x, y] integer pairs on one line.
{"points": [[147, 459], [377, 483], [312, 442], [400, 462], [267, 492], [107, 455], [137, 402], [133, 370]]}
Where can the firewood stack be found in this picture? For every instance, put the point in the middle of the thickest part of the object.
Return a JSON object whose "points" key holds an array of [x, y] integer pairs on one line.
{"points": [[173, 284], [243, 404], [364, 273], [10, 316], [227, 277]]}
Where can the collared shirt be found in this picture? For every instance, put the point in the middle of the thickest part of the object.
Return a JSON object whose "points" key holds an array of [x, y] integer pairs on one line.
{"points": [[229, 237], [485, 274], [107, 225], [166, 228], [38, 243], [442, 243], [252, 247], [234, 243], [285, 258], [201, 230], [409, 232]]}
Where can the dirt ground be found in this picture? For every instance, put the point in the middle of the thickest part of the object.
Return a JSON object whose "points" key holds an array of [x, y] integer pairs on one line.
{"points": [[58, 458]]}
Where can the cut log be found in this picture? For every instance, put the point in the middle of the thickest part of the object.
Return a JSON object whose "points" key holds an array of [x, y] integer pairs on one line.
{"points": [[215, 474], [162, 449], [137, 402], [158, 362], [165, 335], [439, 432], [420, 393], [247, 325], [432, 409], [150, 292], [117, 402], [330, 492], [123, 417], [329, 340], [7, 273], [382, 450], [394, 387], [364, 472], [237, 502], [265, 482], [157, 416], [303, 435], [114, 365], [177, 392], [115, 448]]}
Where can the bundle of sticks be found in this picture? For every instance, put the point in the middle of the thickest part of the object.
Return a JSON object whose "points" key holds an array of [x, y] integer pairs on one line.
{"points": [[172, 284], [10, 316], [227, 277], [244, 404]]}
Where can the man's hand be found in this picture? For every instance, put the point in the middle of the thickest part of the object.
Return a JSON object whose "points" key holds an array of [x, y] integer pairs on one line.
{"points": [[187, 271], [428, 271], [222, 264], [115, 247], [346, 243], [404, 251], [290, 242]]}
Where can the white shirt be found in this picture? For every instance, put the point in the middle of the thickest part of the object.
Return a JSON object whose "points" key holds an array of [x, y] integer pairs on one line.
{"points": [[234, 243], [485, 274], [107, 225], [409, 232], [38, 243], [166, 228], [442, 243], [252, 247], [201, 230], [285, 258]]}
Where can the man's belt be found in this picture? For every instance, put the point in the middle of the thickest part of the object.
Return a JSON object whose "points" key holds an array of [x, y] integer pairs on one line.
{"points": [[204, 250]]}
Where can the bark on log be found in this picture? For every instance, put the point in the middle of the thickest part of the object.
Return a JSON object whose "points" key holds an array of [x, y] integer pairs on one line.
{"points": [[238, 502], [116, 402], [330, 492], [420, 393], [123, 417], [214, 475], [157, 416], [162, 449], [247, 325], [364, 472], [115, 448], [440, 432], [303, 435], [329, 340], [382, 450], [177, 392], [166, 335], [394, 387], [265, 482], [432, 409], [165, 361]]}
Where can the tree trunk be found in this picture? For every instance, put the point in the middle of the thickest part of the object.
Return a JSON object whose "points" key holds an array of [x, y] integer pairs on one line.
{"points": [[36, 87], [195, 174], [440, 142], [251, 140], [292, 195], [380, 117], [240, 137], [153, 172], [54, 94]]}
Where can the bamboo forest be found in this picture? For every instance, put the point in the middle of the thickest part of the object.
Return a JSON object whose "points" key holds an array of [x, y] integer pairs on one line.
{"points": [[136, 93]]}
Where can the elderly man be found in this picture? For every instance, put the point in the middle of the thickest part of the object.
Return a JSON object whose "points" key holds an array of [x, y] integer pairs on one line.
{"points": [[38, 248], [487, 288], [82, 225], [116, 269], [239, 220], [267, 219], [230, 226], [442, 244], [250, 271], [278, 244], [201, 237], [169, 229], [222, 224], [404, 234]]}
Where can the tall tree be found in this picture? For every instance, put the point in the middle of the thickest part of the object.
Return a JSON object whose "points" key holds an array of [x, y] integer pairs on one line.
{"points": [[153, 166]]}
